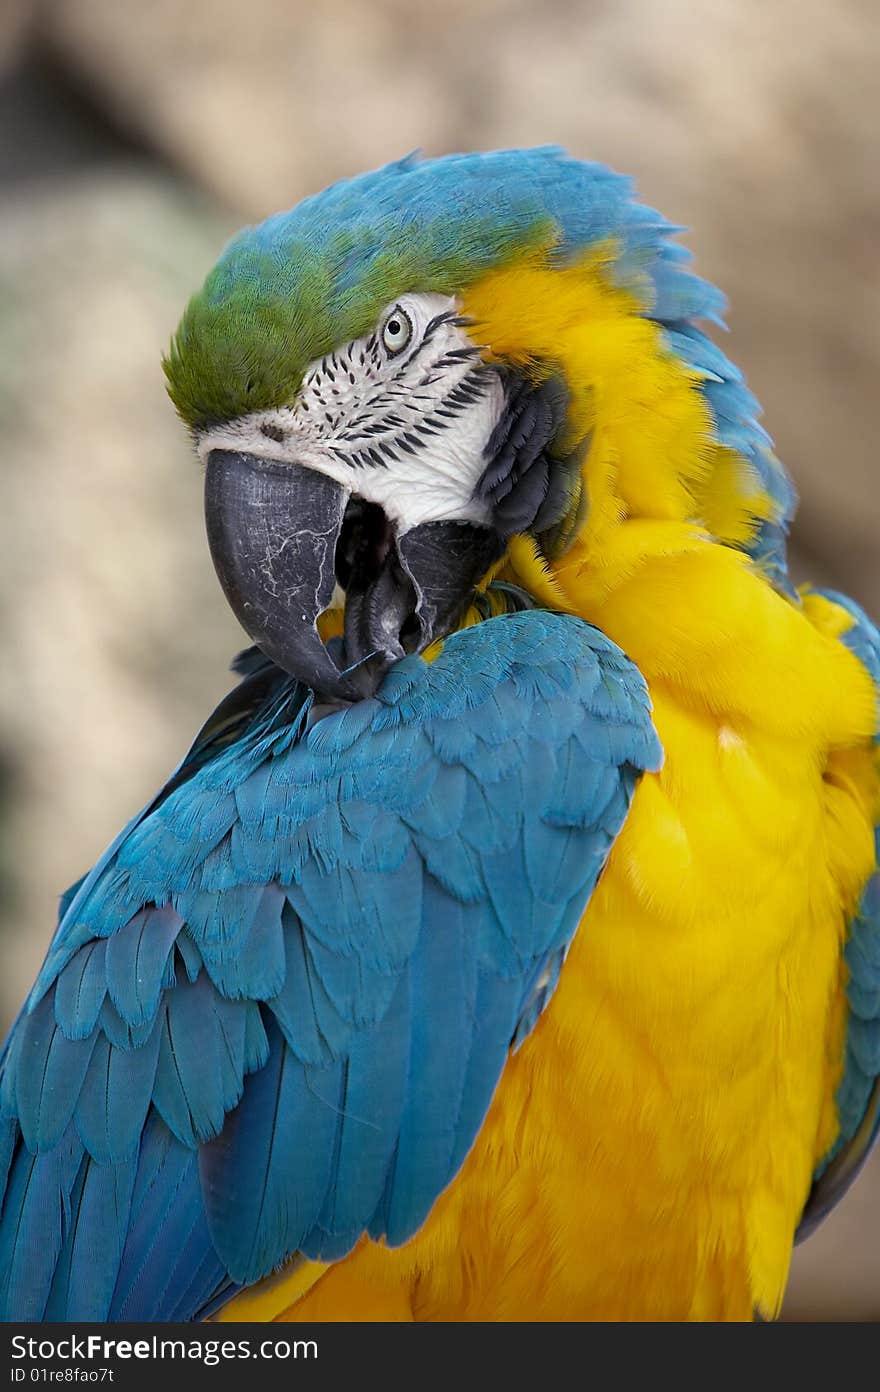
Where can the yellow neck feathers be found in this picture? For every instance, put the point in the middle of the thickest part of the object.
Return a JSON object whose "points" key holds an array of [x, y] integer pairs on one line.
{"points": [[655, 564], [653, 454]]}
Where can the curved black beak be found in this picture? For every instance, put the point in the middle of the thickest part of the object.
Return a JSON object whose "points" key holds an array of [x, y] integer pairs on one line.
{"points": [[272, 529], [282, 535]]}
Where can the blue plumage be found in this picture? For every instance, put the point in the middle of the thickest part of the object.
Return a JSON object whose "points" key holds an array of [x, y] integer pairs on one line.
{"points": [[863, 948], [858, 1095], [735, 412], [275, 1016]]}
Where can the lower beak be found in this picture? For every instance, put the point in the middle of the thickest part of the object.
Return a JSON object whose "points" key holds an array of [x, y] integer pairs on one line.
{"points": [[282, 536]]}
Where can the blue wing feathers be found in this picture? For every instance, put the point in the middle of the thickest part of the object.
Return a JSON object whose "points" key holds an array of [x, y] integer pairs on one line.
{"points": [[256, 969], [136, 961], [294, 1006], [497, 1009], [371, 1105], [80, 991], [49, 1075], [121, 1034], [94, 1236], [112, 1104], [9, 1133], [545, 981], [166, 1186], [266, 1176], [444, 978], [168, 1243], [37, 1198], [274, 1015]]}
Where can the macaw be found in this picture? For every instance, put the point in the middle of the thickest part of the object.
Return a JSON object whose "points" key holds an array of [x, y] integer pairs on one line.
{"points": [[507, 945]]}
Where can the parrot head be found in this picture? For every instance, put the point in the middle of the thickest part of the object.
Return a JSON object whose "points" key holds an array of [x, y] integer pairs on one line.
{"points": [[427, 370]]}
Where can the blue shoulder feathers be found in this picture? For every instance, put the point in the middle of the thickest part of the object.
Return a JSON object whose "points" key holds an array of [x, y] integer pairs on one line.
{"points": [[275, 1014]]}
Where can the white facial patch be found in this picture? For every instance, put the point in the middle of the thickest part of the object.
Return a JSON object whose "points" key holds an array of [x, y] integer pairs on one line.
{"points": [[400, 417]]}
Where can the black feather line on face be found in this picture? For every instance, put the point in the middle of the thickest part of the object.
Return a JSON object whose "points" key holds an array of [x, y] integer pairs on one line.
{"points": [[527, 482], [397, 416]]}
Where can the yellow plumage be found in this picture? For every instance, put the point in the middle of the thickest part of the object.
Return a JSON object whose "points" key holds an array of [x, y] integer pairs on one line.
{"points": [[651, 1145]]}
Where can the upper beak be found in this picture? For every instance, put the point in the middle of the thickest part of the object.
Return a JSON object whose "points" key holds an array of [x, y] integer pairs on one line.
{"points": [[282, 536]]}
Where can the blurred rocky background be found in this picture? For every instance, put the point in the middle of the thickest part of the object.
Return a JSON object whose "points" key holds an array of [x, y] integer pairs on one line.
{"points": [[134, 138]]}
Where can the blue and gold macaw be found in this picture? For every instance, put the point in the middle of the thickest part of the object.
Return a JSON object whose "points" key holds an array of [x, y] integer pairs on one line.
{"points": [[507, 946]]}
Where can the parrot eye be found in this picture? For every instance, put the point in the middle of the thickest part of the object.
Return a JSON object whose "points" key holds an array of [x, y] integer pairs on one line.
{"points": [[397, 331]]}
